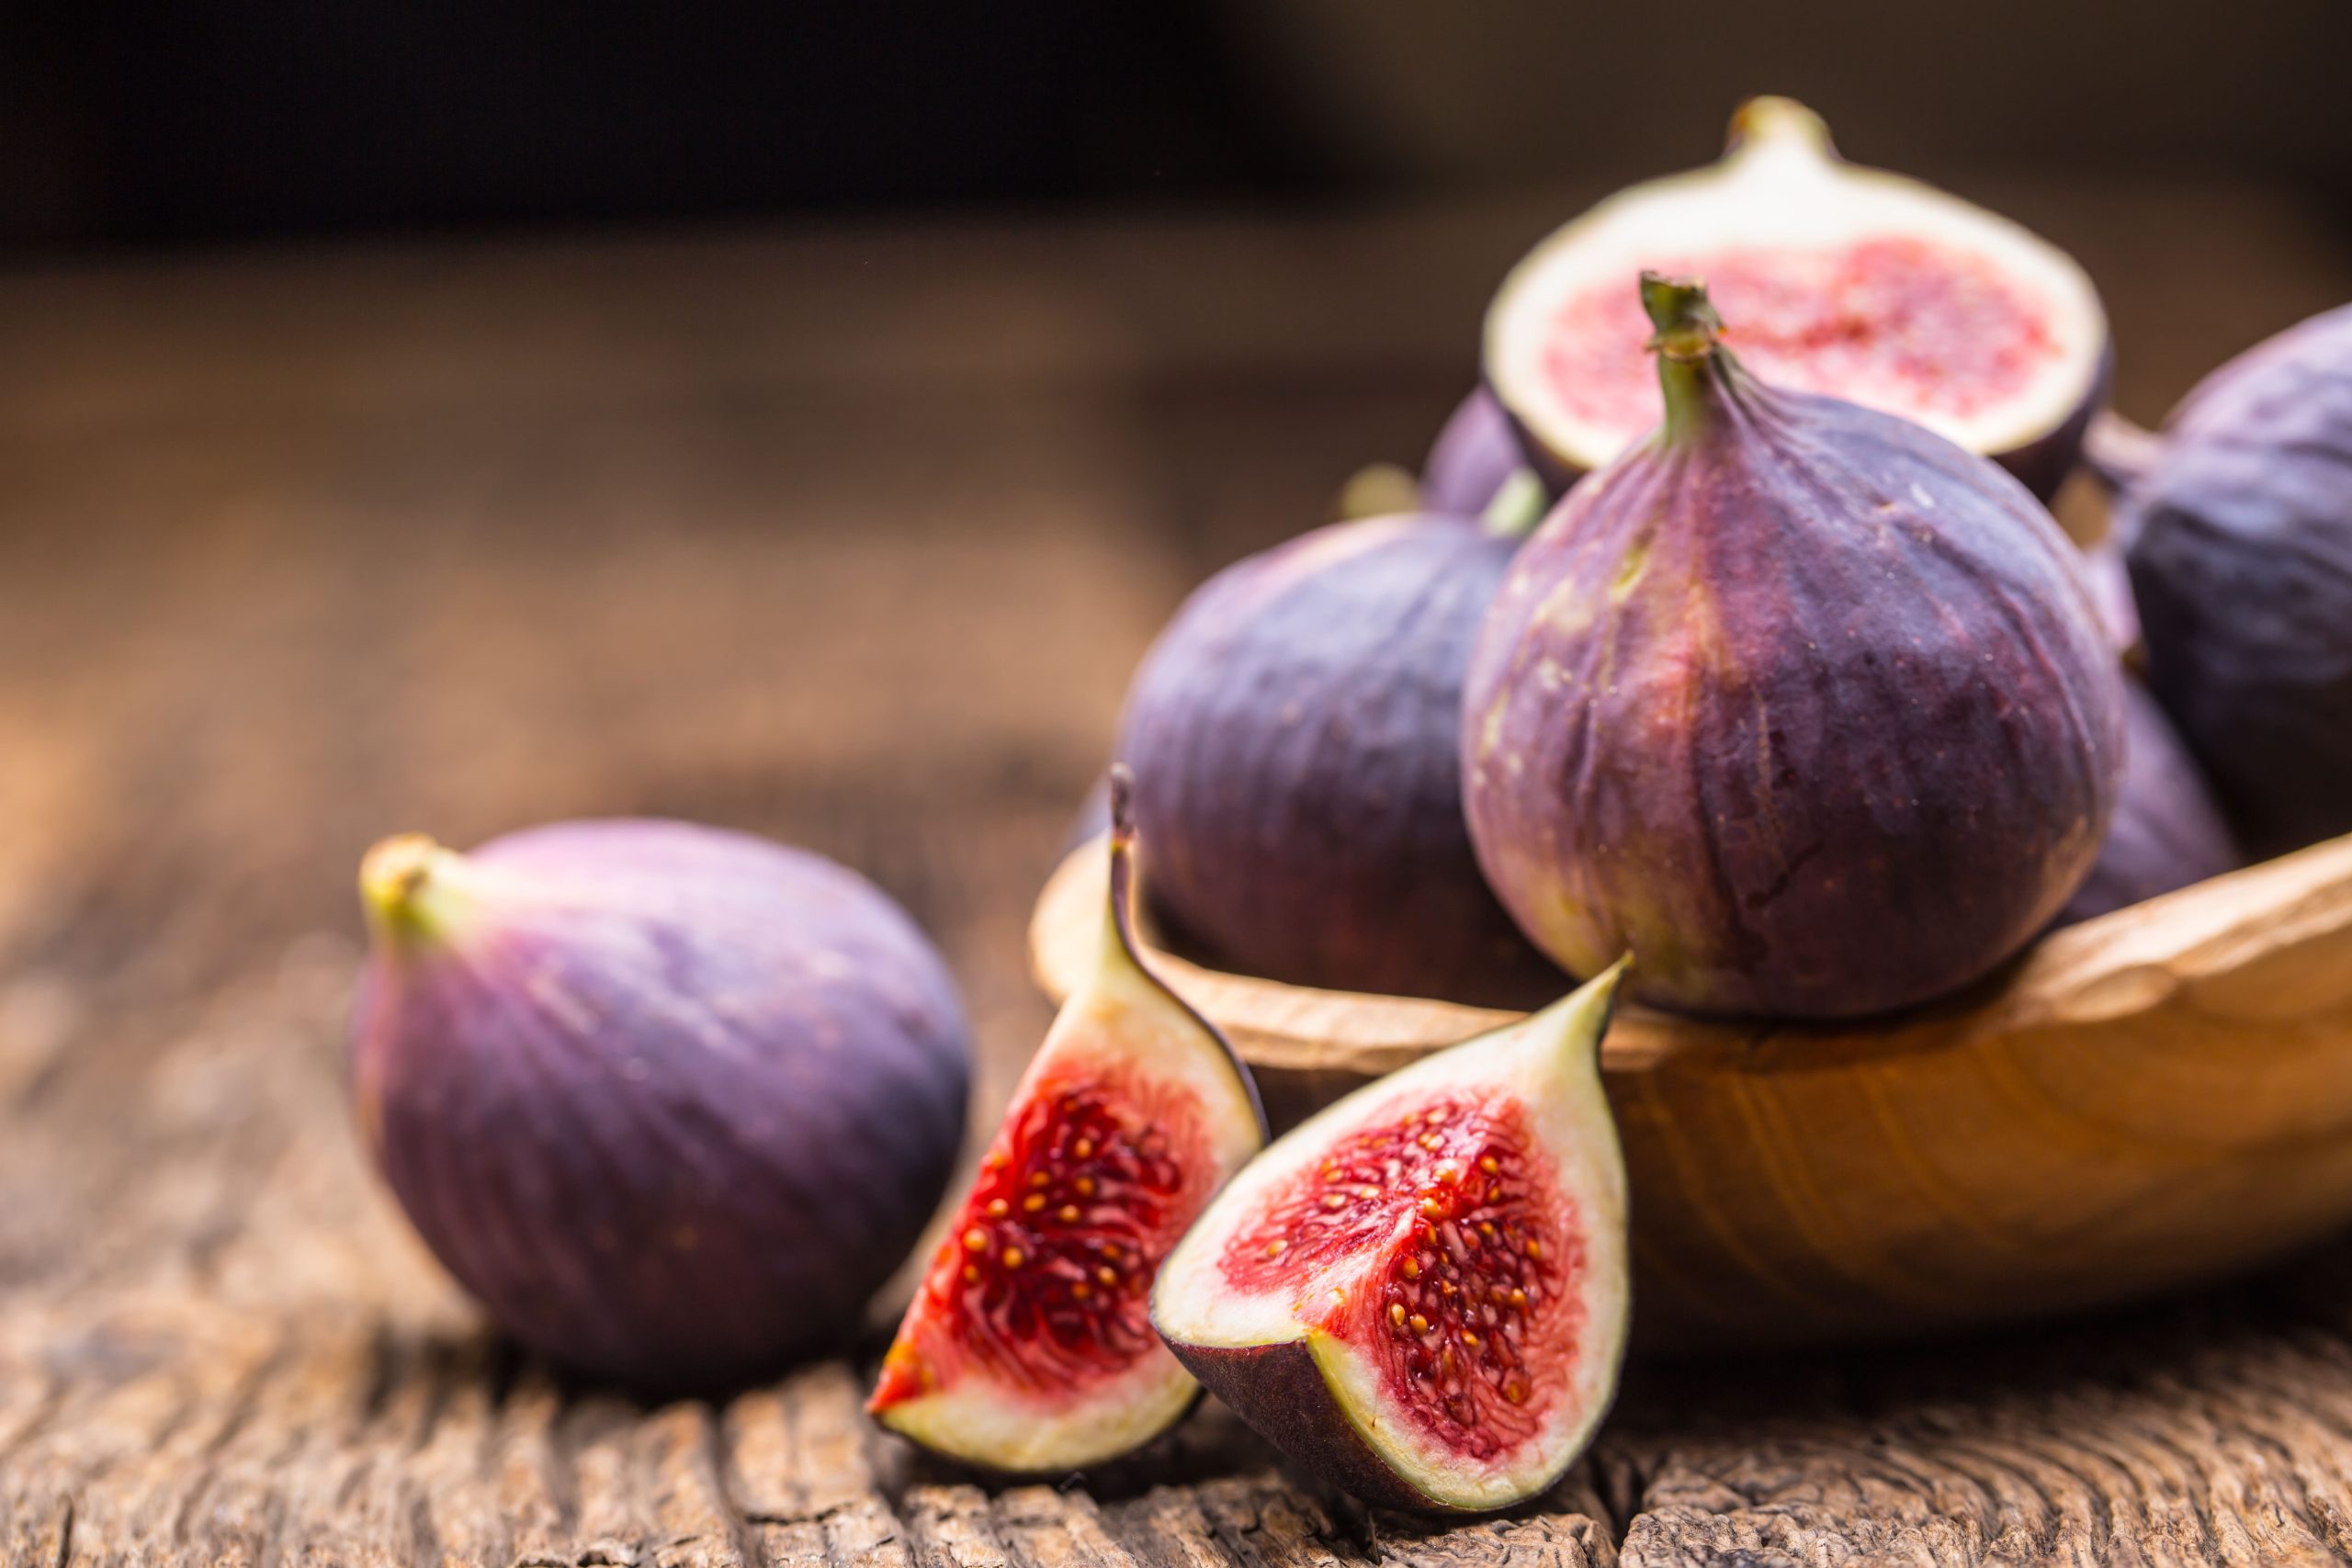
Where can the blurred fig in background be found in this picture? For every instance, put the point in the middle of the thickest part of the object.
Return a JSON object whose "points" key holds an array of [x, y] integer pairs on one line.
{"points": [[2167, 833], [1473, 454], [670, 1101], [1293, 734], [2240, 540], [1835, 279]]}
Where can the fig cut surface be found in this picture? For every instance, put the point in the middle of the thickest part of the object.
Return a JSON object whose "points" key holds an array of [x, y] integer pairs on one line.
{"points": [[1420, 1292], [1842, 280]]}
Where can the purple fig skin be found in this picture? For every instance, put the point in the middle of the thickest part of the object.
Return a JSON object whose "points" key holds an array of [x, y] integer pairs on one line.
{"points": [[2167, 833], [1292, 738], [1277, 1390], [2111, 584], [2044, 465], [1474, 454], [2240, 543], [1805, 707], [670, 1101]]}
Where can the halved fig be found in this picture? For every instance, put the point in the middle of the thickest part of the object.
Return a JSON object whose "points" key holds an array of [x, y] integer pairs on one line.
{"points": [[1419, 1293], [1849, 281], [1029, 1346]]}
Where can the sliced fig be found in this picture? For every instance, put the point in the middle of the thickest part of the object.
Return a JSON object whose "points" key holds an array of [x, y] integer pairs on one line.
{"points": [[1854, 282], [2240, 540], [1029, 1345], [1293, 737], [1806, 707], [1420, 1292]]}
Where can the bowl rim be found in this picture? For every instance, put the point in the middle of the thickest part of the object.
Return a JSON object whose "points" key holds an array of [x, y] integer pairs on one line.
{"points": [[2102, 970]]}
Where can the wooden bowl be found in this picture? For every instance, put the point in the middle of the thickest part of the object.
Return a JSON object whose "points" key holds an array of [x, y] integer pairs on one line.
{"points": [[2156, 1097]]}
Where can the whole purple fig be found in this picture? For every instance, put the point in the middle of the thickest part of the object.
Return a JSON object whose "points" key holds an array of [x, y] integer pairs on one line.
{"points": [[2167, 833], [1292, 734], [1803, 706], [2240, 539], [670, 1101]]}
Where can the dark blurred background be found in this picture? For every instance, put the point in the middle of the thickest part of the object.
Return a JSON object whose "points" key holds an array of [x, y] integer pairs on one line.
{"points": [[238, 120]]}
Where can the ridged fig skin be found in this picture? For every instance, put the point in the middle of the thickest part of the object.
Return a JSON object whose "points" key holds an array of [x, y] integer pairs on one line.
{"points": [[1477, 449], [2240, 542], [1279, 1391], [670, 1101], [1805, 707], [2168, 834], [1294, 739]]}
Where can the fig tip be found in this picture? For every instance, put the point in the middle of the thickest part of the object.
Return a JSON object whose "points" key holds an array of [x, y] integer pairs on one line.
{"points": [[399, 888], [1688, 325], [1122, 803]]}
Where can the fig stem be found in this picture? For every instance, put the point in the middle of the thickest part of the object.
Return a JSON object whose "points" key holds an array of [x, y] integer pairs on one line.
{"points": [[1689, 345], [2120, 453], [404, 886], [1517, 507], [1377, 490], [1771, 121]]}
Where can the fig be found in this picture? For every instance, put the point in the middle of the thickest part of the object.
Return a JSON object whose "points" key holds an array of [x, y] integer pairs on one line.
{"points": [[1797, 702], [1029, 1345], [1420, 1292], [670, 1101], [1842, 280], [2167, 832], [1293, 734], [1474, 454], [2239, 536]]}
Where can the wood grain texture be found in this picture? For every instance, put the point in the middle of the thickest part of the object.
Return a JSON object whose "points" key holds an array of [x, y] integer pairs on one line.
{"points": [[850, 539], [2148, 1100]]}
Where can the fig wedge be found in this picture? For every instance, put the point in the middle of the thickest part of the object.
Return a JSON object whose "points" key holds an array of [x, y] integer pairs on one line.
{"points": [[1029, 1348], [1419, 1293]]}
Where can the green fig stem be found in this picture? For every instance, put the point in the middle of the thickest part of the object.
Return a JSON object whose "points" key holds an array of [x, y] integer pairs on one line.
{"points": [[2118, 452], [1692, 363], [411, 897], [1517, 507], [1377, 490]]}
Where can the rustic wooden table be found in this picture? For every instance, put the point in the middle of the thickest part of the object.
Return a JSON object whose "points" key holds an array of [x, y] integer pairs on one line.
{"points": [[852, 539]]}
